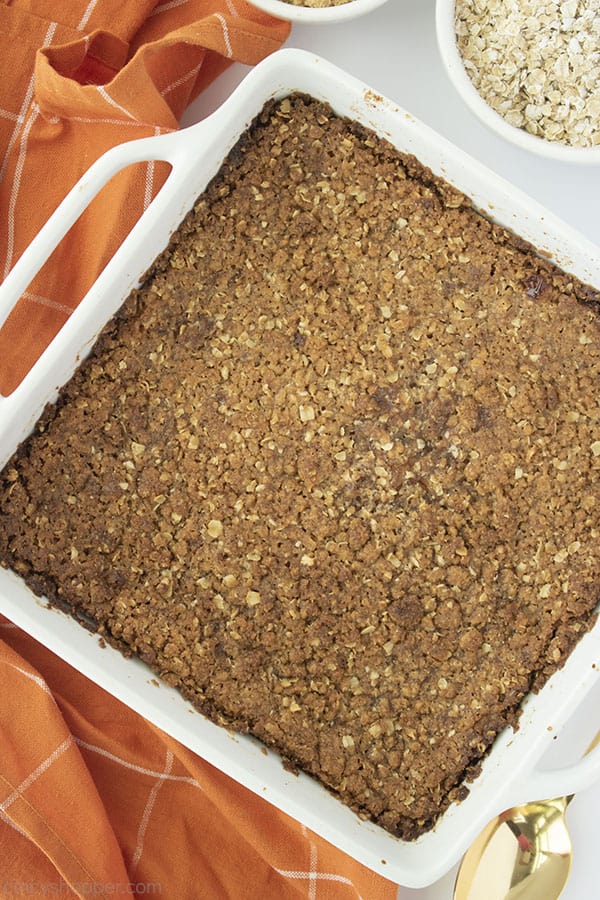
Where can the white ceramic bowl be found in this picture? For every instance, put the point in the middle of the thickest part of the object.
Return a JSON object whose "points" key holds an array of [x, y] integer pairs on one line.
{"points": [[451, 57], [317, 15]]}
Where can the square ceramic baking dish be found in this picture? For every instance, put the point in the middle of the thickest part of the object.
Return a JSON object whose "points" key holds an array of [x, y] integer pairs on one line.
{"points": [[511, 771]]}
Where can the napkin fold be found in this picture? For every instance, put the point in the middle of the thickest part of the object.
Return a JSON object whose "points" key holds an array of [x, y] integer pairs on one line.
{"points": [[97, 802], [77, 79], [94, 800]]}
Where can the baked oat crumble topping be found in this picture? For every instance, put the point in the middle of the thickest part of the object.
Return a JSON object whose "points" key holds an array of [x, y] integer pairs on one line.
{"points": [[333, 470]]}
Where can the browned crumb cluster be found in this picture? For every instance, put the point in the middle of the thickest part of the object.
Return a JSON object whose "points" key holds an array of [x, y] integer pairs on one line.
{"points": [[333, 471]]}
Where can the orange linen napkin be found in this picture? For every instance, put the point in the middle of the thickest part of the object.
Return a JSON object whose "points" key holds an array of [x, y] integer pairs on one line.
{"points": [[105, 71], [95, 801]]}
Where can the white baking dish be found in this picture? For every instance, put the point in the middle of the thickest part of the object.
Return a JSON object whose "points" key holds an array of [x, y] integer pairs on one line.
{"points": [[510, 773]]}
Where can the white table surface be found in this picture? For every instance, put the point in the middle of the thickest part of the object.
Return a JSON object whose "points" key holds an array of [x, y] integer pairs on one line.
{"points": [[394, 51]]}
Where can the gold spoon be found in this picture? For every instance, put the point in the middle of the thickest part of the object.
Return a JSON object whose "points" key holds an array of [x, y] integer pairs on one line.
{"points": [[523, 854]]}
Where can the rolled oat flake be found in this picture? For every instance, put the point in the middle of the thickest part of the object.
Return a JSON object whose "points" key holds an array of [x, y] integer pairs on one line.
{"points": [[537, 63]]}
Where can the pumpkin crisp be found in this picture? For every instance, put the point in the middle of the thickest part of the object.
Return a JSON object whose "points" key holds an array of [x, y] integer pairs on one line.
{"points": [[333, 471]]}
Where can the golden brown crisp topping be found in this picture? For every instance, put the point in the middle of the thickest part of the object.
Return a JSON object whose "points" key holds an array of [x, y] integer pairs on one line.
{"points": [[333, 471]]}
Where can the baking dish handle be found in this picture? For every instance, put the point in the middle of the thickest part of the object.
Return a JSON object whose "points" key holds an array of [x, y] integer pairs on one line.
{"points": [[547, 783], [164, 147]]}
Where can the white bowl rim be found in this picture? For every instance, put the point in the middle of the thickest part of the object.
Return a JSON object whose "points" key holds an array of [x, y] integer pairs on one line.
{"points": [[451, 57], [317, 15]]}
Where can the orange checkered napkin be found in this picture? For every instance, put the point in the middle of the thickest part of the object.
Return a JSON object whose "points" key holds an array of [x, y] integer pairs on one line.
{"points": [[78, 76], [97, 802]]}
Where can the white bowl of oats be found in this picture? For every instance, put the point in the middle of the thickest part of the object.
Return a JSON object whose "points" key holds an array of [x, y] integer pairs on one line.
{"points": [[317, 11], [530, 69]]}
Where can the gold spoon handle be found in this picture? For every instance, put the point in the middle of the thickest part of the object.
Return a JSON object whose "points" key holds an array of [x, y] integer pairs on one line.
{"points": [[533, 864]]}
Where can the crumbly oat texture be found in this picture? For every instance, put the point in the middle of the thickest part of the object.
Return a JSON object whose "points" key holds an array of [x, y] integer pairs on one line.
{"points": [[537, 63], [333, 471]]}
